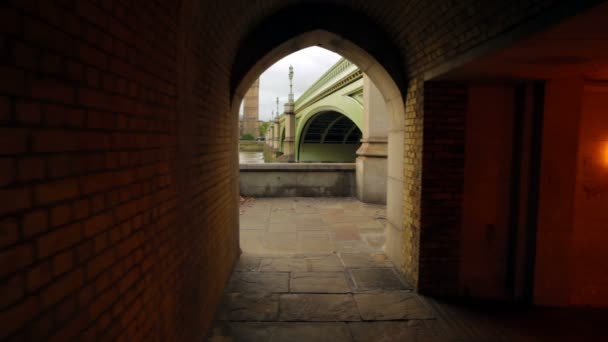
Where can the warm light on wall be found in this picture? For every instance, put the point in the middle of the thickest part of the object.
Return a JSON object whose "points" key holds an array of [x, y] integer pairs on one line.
{"points": [[605, 154]]}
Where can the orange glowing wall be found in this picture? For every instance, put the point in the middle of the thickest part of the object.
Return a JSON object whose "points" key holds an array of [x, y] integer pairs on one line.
{"points": [[557, 185], [589, 244], [572, 239], [486, 191]]}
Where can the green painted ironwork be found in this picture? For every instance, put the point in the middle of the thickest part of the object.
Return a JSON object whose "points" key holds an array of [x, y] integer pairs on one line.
{"points": [[339, 89]]}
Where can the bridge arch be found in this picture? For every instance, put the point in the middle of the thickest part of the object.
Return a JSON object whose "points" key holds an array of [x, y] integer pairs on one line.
{"points": [[346, 108], [329, 136], [282, 137], [367, 46]]}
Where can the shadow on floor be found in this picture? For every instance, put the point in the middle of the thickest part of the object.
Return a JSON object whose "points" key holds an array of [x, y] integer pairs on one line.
{"points": [[313, 269]]}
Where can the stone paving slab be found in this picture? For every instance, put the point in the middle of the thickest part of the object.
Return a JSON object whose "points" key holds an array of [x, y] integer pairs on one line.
{"points": [[376, 241], [311, 332], [313, 269], [241, 332], [318, 282], [318, 308], [253, 226], [313, 235], [376, 279], [250, 307], [370, 226], [312, 245], [281, 228], [280, 332], [392, 306], [283, 264], [252, 282], [325, 263], [353, 246], [247, 263], [352, 260], [279, 219], [418, 331], [346, 235]]}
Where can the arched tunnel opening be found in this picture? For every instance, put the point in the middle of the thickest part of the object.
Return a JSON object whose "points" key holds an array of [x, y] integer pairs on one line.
{"points": [[329, 136]]}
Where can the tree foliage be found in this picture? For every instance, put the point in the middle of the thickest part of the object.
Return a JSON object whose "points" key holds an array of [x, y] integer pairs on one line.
{"points": [[263, 128], [247, 136]]}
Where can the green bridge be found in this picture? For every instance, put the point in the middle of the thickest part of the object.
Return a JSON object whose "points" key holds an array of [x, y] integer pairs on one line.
{"points": [[341, 118], [329, 118]]}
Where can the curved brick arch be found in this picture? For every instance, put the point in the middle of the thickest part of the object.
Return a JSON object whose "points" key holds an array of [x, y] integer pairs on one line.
{"points": [[391, 90], [343, 28]]}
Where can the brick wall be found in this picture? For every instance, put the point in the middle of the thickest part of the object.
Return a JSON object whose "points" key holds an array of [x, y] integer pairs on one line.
{"points": [[118, 162], [106, 219], [445, 106]]}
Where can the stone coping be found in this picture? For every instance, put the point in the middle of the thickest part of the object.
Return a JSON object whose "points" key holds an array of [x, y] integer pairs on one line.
{"points": [[298, 167]]}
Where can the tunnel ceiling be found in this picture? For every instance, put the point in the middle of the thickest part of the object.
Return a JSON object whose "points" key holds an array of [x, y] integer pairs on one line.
{"points": [[332, 128]]}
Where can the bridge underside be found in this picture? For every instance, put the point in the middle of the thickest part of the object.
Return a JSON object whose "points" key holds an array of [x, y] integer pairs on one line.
{"points": [[329, 136]]}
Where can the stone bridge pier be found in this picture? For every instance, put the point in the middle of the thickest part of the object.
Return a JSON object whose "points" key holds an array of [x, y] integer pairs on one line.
{"points": [[372, 155]]}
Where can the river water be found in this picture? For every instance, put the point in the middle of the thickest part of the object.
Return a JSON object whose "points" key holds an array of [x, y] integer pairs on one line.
{"points": [[251, 157]]}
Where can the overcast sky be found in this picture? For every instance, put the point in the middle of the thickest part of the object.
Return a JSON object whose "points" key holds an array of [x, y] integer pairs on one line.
{"points": [[308, 65]]}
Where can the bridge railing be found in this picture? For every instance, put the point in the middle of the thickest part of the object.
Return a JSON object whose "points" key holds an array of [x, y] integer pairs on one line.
{"points": [[339, 70]]}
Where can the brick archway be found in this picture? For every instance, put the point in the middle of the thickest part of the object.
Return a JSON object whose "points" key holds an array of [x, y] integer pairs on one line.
{"points": [[392, 94]]}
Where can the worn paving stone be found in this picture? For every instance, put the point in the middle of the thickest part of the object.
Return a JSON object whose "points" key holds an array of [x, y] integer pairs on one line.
{"points": [[309, 332], [342, 226], [418, 331], [306, 209], [253, 226], [305, 227], [247, 263], [283, 265], [352, 260], [280, 332], [372, 225], [353, 246], [331, 211], [318, 246], [280, 242], [375, 279], [250, 282], [280, 219], [250, 307], [318, 282], [313, 235], [392, 306], [251, 241], [242, 332], [325, 263], [345, 217], [346, 235], [318, 307], [281, 227], [376, 241]]}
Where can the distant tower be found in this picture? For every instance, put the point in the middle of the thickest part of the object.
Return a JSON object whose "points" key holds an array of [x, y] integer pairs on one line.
{"points": [[251, 115], [278, 113], [288, 145], [290, 84]]}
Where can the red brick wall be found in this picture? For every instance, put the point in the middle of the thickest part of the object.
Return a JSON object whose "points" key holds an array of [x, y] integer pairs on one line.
{"points": [[445, 106], [108, 224]]}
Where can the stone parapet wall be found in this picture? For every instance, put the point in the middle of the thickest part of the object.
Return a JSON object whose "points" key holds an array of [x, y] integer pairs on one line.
{"points": [[297, 180]]}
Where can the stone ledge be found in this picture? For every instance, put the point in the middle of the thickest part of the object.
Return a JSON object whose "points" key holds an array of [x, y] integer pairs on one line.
{"points": [[297, 167]]}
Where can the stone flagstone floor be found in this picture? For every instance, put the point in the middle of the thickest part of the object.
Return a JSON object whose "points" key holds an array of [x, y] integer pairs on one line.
{"points": [[314, 270]]}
